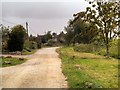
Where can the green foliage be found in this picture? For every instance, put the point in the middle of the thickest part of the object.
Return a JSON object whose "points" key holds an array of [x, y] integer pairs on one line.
{"points": [[106, 21], [61, 38], [98, 49], [48, 36], [114, 49], [87, 48], [44, 38], [119, 48], [5, 37], [39, 43], [88, 72], [5, 33], [36, 40], [32, 45], [84, 32], [26, 44], [51, 42], [95, 24], [16, 38], [32, 38], [69, 35], [79, 31]]}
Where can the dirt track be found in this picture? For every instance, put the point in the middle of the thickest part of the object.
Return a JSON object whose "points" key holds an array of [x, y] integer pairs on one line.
{"points": [[43, 70]]}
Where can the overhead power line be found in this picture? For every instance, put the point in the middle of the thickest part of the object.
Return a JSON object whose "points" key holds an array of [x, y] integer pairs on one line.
{"points": [[30, 29], [3, 20]]}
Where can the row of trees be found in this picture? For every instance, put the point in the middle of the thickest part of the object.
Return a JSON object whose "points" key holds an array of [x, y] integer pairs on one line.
{"points": [[99, 23], [17, 39], [49, 39]]}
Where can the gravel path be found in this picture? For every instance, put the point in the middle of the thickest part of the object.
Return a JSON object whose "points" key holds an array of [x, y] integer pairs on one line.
{"points": [[42, 70]]}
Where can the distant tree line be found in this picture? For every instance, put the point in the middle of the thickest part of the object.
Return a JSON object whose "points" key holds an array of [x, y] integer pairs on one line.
{"points": [[17, 39]]}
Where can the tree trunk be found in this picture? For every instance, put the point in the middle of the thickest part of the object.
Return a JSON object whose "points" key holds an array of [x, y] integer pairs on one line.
{"points": [[107, 45], [107, 41], [110, 34]]}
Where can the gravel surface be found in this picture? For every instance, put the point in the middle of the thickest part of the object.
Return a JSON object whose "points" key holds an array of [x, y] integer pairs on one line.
{"points": [[42, 70]]}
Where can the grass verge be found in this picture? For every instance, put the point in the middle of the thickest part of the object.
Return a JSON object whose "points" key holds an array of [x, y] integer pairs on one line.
{"points": [[9, 61], [85, 70]]}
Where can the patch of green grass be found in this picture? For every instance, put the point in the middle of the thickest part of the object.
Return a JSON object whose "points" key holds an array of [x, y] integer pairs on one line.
{"points": [[99, 50], [5, 62], [92, 71]]}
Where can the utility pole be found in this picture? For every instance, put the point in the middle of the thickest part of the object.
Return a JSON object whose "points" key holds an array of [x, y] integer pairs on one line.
{"points": [[27, 27], [27, 30]]}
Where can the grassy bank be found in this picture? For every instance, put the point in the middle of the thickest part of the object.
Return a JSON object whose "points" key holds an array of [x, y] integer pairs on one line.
{"points": [[99, 49], [9, 61], [85, 70], [24, 52]]}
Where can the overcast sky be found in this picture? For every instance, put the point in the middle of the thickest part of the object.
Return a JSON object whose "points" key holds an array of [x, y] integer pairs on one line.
{"points": [[41, 16]]}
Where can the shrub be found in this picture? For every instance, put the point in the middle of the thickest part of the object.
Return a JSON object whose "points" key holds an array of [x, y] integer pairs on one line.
{"points": [[51, 42], [98, 49], [114, 49], [16, 38], [33, 45], [85, 48], [30, 45]]}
